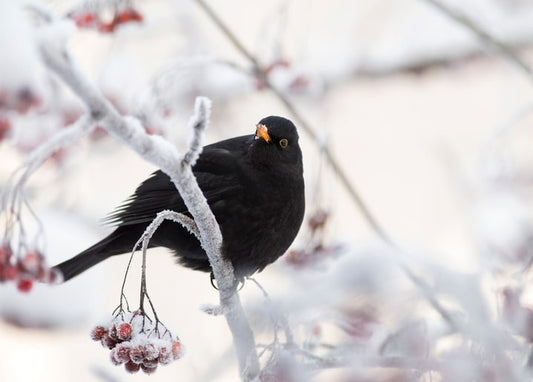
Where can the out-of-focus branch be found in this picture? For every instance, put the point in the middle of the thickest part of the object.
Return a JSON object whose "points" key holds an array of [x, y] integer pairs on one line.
{"points": [[365, 362], [505, 50], [160, 152], [301, 121], [337, 168], [61, 139]]}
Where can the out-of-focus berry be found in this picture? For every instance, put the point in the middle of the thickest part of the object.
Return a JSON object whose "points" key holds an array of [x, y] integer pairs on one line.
{"points": [[176, 349], [124, 331], [98, 333], [24, 285], [132, 367]]}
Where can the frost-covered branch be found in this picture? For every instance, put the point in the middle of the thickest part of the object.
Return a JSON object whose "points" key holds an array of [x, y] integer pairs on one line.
{"points": [[177, 217], [61, 139], [161, 153]]}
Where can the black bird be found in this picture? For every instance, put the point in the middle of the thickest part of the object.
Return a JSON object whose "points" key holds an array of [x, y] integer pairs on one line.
{"points": [[254, 186]]}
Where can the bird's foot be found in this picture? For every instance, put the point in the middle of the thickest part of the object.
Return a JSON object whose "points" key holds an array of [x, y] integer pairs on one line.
{"points": [[237, 285]]}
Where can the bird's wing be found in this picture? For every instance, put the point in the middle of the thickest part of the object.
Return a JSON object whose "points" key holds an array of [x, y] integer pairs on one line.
{"points": [[216, 171]]}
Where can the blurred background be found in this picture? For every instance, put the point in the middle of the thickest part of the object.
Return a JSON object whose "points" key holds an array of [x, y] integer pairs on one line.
{"points": [[428, 117]]}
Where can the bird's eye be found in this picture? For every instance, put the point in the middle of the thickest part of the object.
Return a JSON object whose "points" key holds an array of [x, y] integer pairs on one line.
{"points": [[283, 143]]}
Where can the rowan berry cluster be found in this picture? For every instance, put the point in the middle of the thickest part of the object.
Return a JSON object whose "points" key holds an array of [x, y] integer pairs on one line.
{"points": [[138, 343], [91, 19], [23, 269], [315, 250]]}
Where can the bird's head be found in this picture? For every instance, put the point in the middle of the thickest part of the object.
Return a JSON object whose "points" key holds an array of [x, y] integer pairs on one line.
{"points": [[276, 144]]}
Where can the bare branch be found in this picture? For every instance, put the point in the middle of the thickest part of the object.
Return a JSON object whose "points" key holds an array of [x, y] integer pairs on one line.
{"points": [[337, 168], [61, 139], [302, 122], [160, 152], [505, 50], [420, 364]]}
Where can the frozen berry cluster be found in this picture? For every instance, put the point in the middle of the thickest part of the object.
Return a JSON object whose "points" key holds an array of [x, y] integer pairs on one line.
{"points": [[90, 19], [24, 269], [137, 343]]}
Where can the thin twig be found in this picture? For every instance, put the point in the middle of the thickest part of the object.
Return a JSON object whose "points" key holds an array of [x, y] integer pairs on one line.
{"points": [[301, 121], [414, 363], [505, 50], [337, 168], [280, 320]]}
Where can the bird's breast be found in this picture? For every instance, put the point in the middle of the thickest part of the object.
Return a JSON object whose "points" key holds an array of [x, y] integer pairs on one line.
{"points": [[262, 223]]}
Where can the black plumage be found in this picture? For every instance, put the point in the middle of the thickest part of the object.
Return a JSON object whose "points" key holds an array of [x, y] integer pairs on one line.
{"points": [[254, 186]]}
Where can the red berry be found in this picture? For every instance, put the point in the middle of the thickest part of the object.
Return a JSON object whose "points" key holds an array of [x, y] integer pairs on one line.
{"points": [[120, 354], [136, 15], [165, 356], [5, 249], [128, 14], [150, 130], [113, 333], [88, 17], [150, 363], [24, 285], [106, 28], [84, 19], [123, 16], [132, 367], [26, 98], [148, 369], [59, 155], [108, 342], [124, 331], [11, 272], [176, 349], [137, 354], [70, 116], [113, 357], [150, 352], [98, 133], [123, 352], [30, 263], [98, 333], [317, 330], [318, 220]]}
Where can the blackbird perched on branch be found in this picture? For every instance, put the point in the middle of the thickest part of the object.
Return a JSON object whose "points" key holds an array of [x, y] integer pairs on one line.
{"points": [[254, 186]]}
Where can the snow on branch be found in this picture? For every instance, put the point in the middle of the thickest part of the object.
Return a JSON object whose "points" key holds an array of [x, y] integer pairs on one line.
{"points": [[177, 217], [61, 139], [161, 153], [198, 123]]}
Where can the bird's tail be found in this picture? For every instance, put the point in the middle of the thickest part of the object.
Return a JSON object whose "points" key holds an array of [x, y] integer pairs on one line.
{"points": [[93, 255]]}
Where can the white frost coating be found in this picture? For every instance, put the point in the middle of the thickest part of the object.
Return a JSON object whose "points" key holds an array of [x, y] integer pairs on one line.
{"points": [[55, 35], [61, 139], [177, 217], [198, 122], [161, 153]]}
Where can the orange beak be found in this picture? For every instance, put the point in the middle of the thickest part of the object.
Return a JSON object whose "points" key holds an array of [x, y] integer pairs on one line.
{"points": [[262, 132]]}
